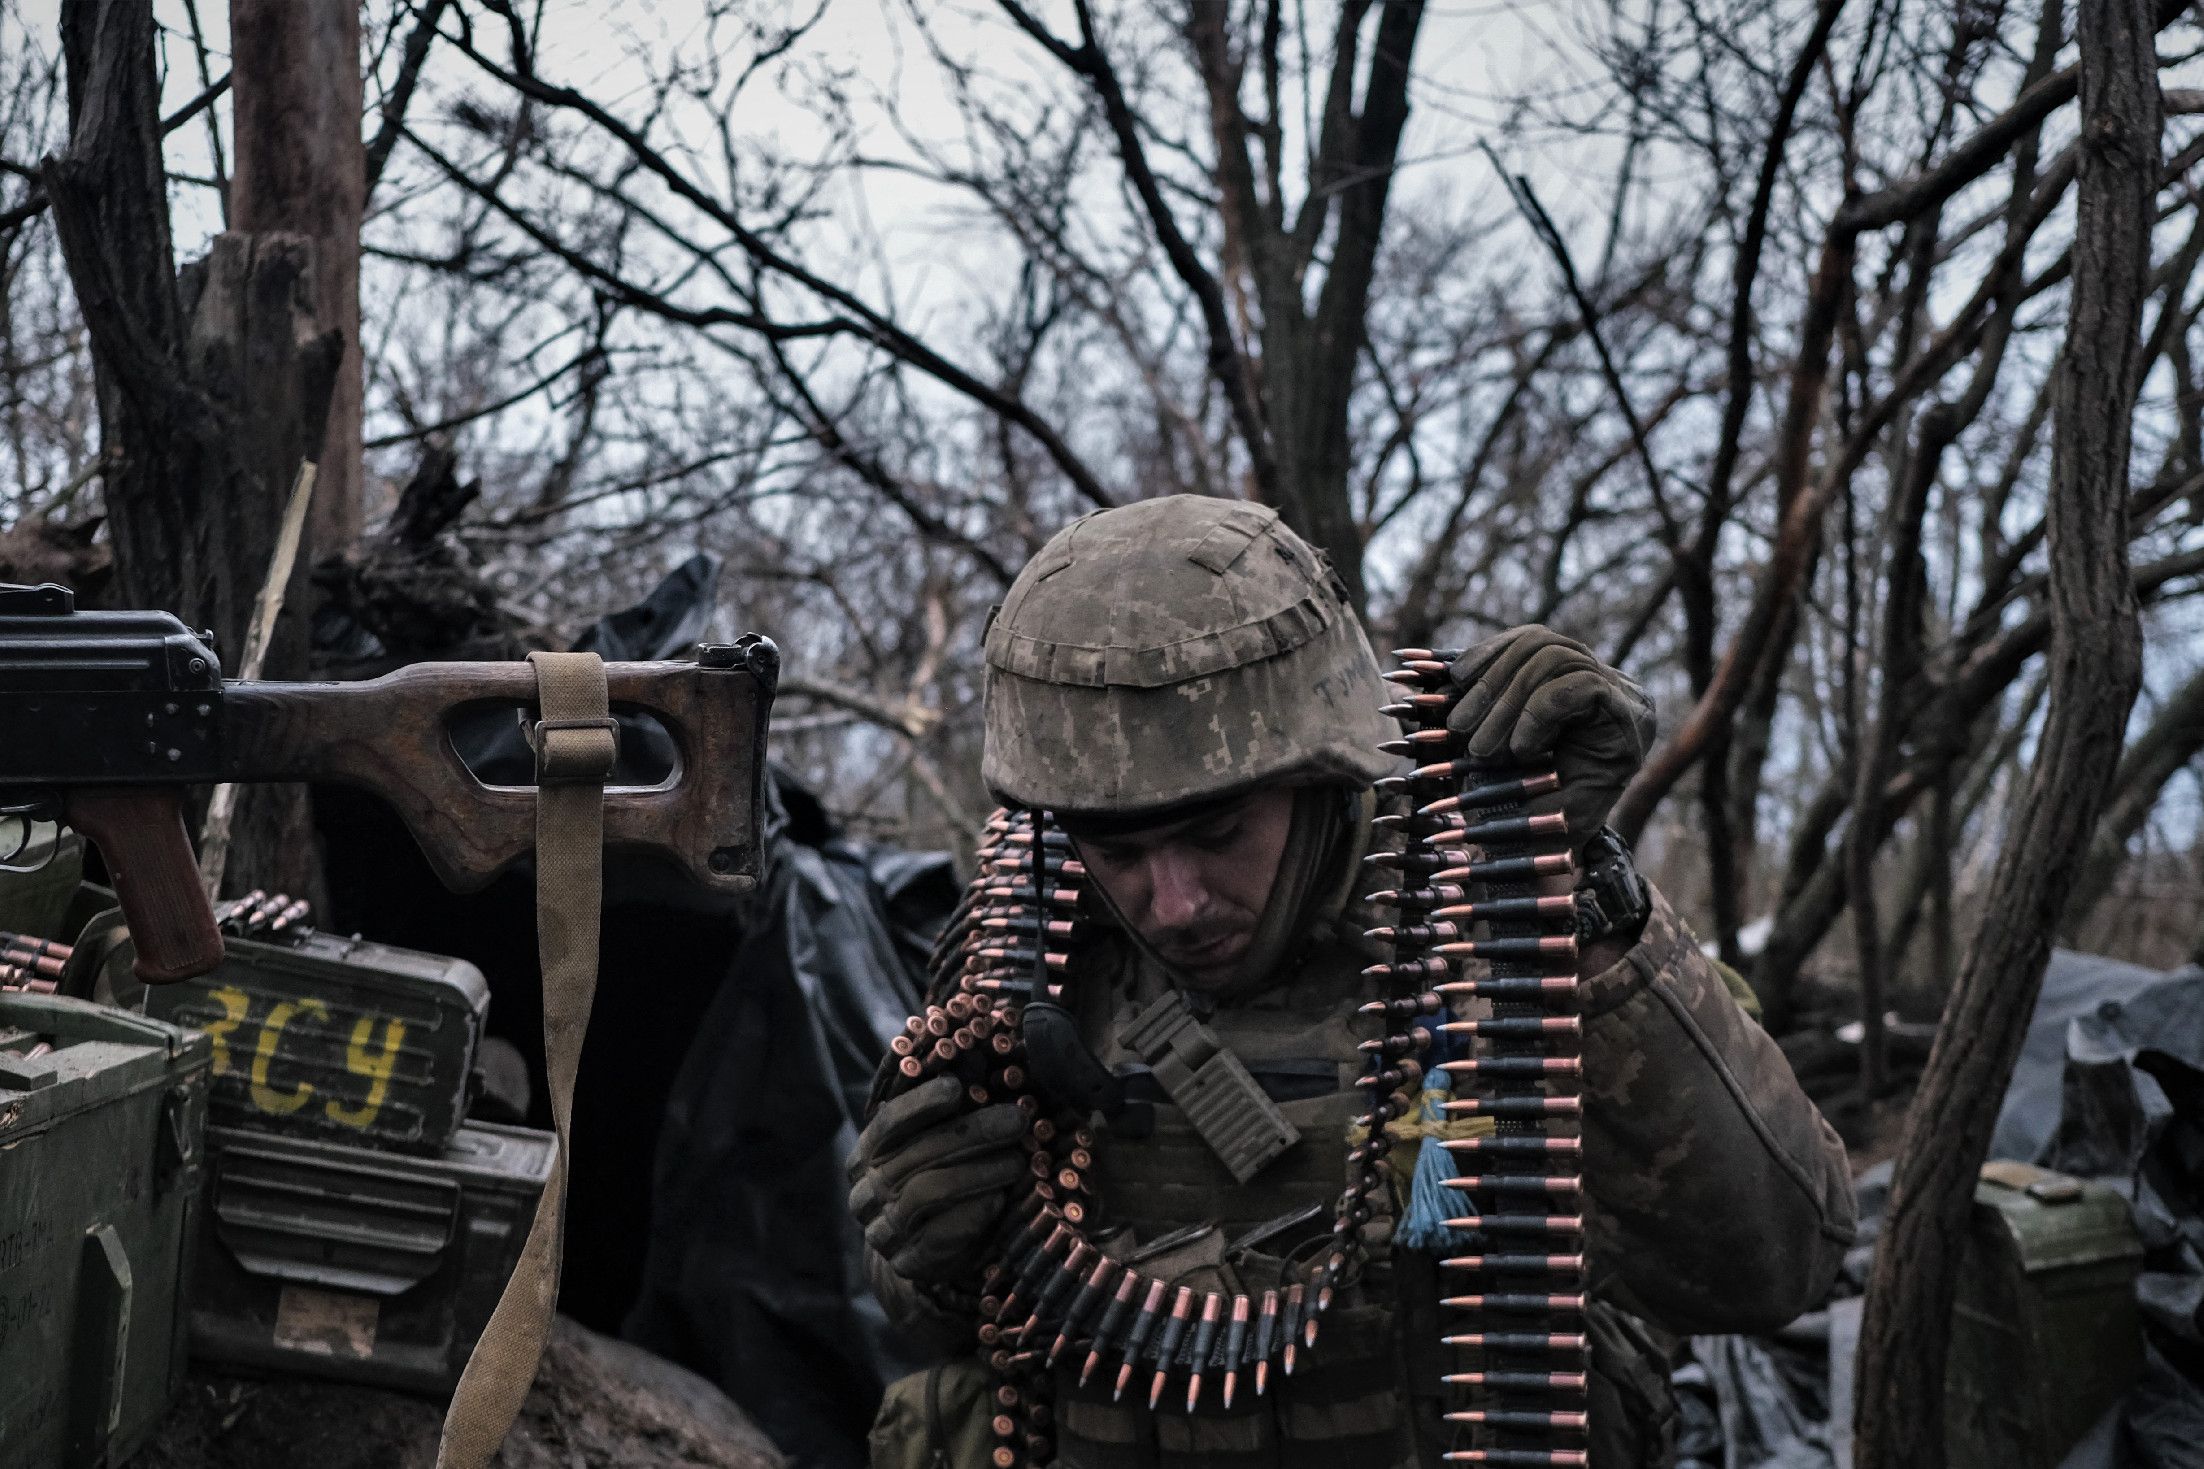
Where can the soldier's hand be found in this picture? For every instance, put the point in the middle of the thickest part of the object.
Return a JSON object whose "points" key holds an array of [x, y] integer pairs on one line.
{"points": [[932, 1178], [1531, 693]]}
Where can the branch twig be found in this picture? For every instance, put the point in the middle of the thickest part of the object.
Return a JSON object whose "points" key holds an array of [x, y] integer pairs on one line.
{"points": [[214, 841]]}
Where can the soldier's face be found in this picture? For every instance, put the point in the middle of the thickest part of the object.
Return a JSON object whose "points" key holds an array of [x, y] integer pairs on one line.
{"points": [[1195, 889]]}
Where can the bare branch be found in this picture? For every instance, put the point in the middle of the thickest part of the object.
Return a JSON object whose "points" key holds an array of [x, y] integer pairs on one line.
{"points": [[400, 95], [867, 322]]}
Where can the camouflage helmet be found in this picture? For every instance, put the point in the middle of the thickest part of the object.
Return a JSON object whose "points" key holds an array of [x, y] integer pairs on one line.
{"points": [[1172, 651]]}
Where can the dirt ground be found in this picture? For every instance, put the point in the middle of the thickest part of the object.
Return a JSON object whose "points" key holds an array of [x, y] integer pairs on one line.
{"points": [[597, 1404]]}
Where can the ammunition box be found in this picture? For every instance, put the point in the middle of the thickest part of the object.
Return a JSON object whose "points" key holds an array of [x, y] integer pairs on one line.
{"points": [[101, 1143], [37, 902], [360, 1044], [2045, 1331], [370, 1267]]}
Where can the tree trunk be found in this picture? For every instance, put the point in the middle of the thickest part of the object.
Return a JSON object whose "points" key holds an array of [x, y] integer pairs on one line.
{"points": [[1309, 356], [2096, 669], [252, 333], [212, 389], [301, 167]]}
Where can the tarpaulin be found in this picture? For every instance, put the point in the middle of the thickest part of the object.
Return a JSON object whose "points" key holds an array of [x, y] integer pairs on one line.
{"points": [[2109, 1087], [752, 1276]]}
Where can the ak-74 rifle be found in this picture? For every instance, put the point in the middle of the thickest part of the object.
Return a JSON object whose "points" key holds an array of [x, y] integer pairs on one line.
{"points": [[107, 717]]}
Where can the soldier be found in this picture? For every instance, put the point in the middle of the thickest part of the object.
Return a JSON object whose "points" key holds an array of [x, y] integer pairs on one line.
{"points": [[1182, 684]]}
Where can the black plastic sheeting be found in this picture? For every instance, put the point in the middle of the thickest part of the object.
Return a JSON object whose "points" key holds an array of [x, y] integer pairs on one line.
{"points": [[752, 1276], [751, 1271], [2109, 1087], [2074, 985], [1753, 1401]]}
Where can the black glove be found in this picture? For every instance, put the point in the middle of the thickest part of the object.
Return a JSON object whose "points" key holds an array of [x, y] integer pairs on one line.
{"points": [[1531, 693], [932, 1179]]}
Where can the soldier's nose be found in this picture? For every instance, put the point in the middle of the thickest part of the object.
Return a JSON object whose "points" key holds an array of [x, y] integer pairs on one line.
{"points": [[1177, 895]]}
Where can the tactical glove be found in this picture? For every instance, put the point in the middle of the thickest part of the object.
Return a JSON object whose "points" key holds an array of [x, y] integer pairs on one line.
{"points": [[932, 1179], [1531, 693]]}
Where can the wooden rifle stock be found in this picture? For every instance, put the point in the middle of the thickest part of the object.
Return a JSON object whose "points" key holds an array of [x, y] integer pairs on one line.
{"points": [[392, 736]]}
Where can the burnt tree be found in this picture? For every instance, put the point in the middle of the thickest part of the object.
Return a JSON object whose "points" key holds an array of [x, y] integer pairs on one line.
{"points": [[2095, 671], [214, 384]]}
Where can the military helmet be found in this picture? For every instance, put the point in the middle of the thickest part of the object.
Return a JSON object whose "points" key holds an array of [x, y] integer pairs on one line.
{"points": [[1173, 651]]}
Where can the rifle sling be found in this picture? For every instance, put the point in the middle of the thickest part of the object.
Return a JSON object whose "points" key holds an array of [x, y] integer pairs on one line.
{"points": [[576, 744]]}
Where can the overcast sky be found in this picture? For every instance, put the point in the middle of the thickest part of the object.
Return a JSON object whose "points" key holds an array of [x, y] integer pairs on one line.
{"points": [[1468, 57]]}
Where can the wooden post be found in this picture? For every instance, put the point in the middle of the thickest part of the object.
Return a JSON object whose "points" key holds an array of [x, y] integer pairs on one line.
{"points": [[301, 168]]}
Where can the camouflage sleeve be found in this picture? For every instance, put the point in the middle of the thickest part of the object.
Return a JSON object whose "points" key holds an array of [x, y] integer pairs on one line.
{"points": [[1720, 1199]]}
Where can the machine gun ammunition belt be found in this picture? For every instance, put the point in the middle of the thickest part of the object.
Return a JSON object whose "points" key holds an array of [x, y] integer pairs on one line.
{"points": [[1517, 1342], [1046, 1293]]}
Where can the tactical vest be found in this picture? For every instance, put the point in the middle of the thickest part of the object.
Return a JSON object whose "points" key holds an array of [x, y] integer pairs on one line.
{"points": [[1369, 1396], [1345, 1406]]}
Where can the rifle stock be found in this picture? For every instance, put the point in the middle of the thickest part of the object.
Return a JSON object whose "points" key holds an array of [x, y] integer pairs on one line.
{"points": [[392, 736]]}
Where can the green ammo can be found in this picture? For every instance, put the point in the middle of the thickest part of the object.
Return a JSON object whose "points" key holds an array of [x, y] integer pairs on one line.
{"points": [[370, 1267], [360, 1044], [100, 1158], [2045, 1331], [37, 900]]}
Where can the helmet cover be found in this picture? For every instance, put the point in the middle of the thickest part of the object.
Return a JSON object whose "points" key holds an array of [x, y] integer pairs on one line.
{"points": [[1172, 651]]}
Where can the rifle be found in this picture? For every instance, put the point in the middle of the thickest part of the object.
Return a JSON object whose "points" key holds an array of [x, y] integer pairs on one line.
{"points": [[107, 717]]}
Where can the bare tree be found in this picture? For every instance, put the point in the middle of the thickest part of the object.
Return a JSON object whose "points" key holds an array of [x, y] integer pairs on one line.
{"points": [[1768, 431], [2095, 669], [213, 384]]}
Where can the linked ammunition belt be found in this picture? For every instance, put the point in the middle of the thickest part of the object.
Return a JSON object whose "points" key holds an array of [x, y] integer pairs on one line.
{"points": [[1046, 1290], [258, 915], [1007, 945], [33, 964], [1475, 859]]}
